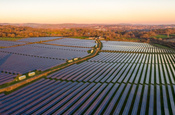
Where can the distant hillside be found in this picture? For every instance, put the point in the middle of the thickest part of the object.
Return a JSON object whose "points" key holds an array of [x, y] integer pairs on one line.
{"points": [[52, 26], [104, 27]]}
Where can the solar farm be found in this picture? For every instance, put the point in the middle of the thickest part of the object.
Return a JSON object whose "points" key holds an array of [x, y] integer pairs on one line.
{"points": [[123, 78]]}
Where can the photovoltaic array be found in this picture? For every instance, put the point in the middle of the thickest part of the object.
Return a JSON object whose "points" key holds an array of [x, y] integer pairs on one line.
{"points": [[135, 78], [31, 57]]}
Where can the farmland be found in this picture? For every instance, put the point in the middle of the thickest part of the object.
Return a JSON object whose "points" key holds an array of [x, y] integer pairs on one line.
{"points": [[123, 78], [160, 36], [9, 39]]}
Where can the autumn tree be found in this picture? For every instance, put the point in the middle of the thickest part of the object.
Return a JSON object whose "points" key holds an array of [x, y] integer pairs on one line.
{"points": [[168, 32]]}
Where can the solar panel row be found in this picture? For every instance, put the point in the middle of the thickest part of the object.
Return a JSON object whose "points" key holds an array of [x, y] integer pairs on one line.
{"points": [[56, 97]]}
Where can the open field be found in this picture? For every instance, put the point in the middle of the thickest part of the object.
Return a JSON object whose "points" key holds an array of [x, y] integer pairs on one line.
{"points": [[160, 36], [80, 37], [163, 36], [160, 46], [124, 78], [10, 39], [172, 34]]}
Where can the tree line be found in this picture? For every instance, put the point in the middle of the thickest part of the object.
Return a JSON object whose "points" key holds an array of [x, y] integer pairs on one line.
{"points": [[24, 32]]}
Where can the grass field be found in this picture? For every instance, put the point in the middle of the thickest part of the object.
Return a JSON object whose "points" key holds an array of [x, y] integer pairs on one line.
{"points": [[10, 39], [160, 36], [83, 37], [160, 46], [172, 35], [133, 39]]}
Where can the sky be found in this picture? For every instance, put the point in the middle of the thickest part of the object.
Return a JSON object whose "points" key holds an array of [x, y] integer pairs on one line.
{"points": [[88, 11]]}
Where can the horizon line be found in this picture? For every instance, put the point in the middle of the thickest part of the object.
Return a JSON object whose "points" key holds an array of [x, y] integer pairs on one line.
{"points": [[89, 23]]}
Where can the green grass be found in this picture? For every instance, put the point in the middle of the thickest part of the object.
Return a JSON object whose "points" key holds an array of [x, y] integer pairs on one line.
{"points": [[133, 38], [161, 46], [83, 37], [160, 36], [172, 35], [10, 39]]}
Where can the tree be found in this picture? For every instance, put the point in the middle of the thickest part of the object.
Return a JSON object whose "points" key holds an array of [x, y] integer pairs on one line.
{"points": [[31, 34], [151, 33], [4, 35], [160, 39], [145, 36], [168, 32]]}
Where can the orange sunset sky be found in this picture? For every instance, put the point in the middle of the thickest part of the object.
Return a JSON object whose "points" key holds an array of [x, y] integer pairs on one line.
{"points": [[88, 11]]}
